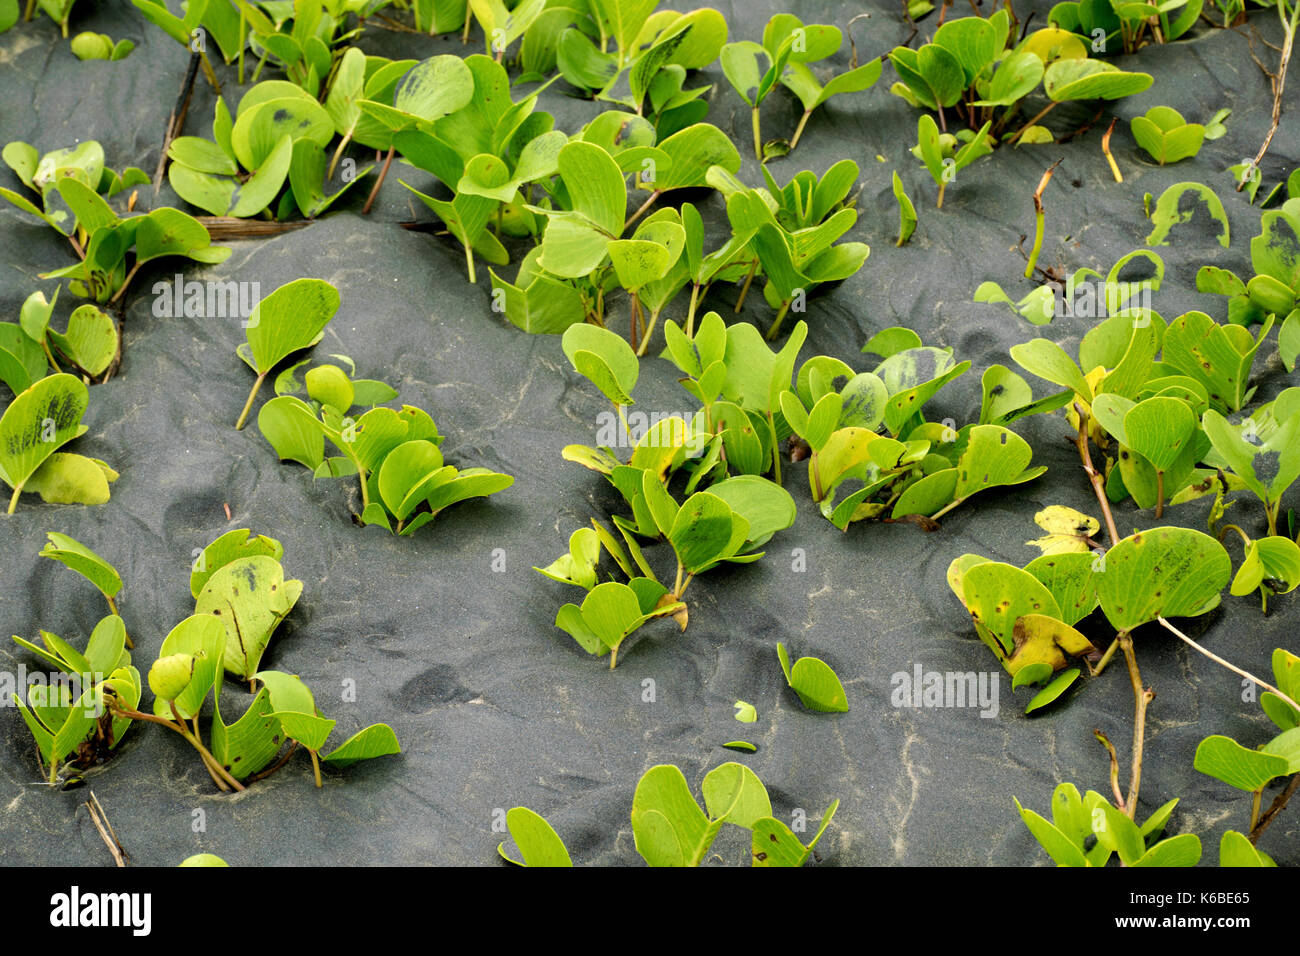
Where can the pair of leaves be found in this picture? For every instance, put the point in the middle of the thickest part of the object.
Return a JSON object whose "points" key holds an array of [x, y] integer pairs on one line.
{"points": [[293, 706], [670, 829], [994, 457], [1166, 136], [1026, 617], [38, 422], [1087, 831], [90, 341], [278, 135], [241, 584], [613, 611]]}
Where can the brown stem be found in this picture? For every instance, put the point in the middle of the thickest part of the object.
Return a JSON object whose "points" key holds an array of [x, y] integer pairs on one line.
{"points": [[1279, 803], [100, 819], [370, 200], [262, 774], [1037, 116], [208, 759], [1114, 769], [1098, 485], [176, 121], [1232, 667], [645, 207], [1141, 698], [749, 280], [1278, 82]]}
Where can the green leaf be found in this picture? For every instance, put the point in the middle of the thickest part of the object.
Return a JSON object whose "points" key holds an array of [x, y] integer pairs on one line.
{"points": [[1169, 212], [1236, 850], [705, 531], [1016, 77], [204, 637], [1275, 559], [538, 843], [994, 456], [1166, 137], [734, 794], [37, 423], [610, 612], [91, 339], [68, 479], [22, 361], [1164, 572], [1071, 79], [740, 66], [231, 546], [307, 170], [942, 72], [605, 359], [668, 826], [1052, 691], [75, 555], [1047, 360], [906, 212], [694, 151], [765, 505], [815, 682], [377, 740], [578, 567], [1159, 430], [1249, 770], [290, 319], [249, 596], [1058, 846], [1275, 252], [407, 474], [774, 843], [251, 742], [1181, 850]]}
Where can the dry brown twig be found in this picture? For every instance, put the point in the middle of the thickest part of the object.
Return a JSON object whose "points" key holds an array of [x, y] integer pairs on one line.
{"points": [[106, 832]]}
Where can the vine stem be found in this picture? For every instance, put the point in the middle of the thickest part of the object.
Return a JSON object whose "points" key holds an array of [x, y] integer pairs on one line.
{"points": [[126, 282], [112, 607], [248, 405], [690, 314], [645, 207], [1105, 659], [799, 130], [383, 173], [1105, 148], [1037, 116], [749, 280], [1232, 667], [338, 153], [1141, 698], [1040, 220], [1114, 769], [1277, 81], [758, 136], [1279, 803], [1081, 442], [776, 323], [209, 760]]}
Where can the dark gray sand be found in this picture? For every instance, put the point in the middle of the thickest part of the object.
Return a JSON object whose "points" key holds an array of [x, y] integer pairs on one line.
{"points": [[493, 705]]}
